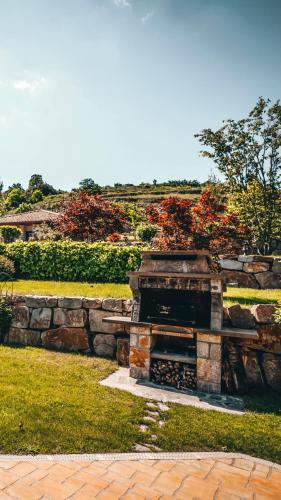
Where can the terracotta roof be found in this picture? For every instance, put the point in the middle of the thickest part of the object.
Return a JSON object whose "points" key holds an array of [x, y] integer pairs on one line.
{"points": [[35, 217]]}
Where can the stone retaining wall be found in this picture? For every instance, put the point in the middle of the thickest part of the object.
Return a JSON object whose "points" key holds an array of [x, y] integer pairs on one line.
{"points": [[252, 271], [75, 324], [67, 323]]}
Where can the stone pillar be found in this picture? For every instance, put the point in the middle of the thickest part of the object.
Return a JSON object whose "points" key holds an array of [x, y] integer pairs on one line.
{"points": [[140, 347], [216, 305], [208, 362]]}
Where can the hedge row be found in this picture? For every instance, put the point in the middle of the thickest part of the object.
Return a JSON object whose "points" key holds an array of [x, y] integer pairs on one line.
{"points": [[72, 261]]}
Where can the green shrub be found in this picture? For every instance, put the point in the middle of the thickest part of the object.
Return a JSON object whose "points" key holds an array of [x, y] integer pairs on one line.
{"points": [[10, 233], [72, 261], [6, 268], [145, 232], [5, 318]]}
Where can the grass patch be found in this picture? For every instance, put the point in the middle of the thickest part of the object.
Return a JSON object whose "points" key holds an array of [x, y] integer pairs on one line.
{"points": [[247, 297], [52, 403], [256, 433], [68, 288]]}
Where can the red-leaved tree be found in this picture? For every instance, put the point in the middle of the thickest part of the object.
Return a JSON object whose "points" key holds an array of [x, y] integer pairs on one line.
{"points": [[206, 224], [89, 218], [174, 218]]}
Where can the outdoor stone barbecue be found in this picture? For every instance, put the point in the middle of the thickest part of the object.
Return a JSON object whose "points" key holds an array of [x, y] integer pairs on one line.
{"points": [[176, 325]]}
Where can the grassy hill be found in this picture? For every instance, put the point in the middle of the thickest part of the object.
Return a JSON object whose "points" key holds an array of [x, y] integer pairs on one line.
{"points": [[142, 194]]}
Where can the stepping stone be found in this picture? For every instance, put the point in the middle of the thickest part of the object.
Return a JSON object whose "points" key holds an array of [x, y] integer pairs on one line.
{"points": [[161, 423], [151, 405], [153, 413], [154, 437], [144, 428], [150, 419], [141, 447], [163, 407]]}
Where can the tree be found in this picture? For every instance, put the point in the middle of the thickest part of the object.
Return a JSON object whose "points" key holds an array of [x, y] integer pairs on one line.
{"points": [[36, 183], [207, 224], [90, 186], [247, 153], [174, 218], [36, 196], [14, 198], [89, 218]]}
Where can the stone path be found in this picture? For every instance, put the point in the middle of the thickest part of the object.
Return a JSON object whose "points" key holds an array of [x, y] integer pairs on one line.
{"points": [[145, 389], [145, 476]]}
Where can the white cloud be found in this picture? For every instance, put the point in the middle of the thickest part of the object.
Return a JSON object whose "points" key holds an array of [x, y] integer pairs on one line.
{"points": [[28, 85], [122, 3], [146, 18]]}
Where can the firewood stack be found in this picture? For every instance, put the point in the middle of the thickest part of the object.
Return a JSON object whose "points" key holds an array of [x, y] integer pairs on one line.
{"points": [[174, 373]]}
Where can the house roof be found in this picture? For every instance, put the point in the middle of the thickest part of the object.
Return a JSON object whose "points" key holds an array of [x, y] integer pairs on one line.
{"points": [[35, 217]]}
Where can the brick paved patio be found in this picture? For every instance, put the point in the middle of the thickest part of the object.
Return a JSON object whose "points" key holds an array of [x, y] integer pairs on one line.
{"points": [[209, 477]]}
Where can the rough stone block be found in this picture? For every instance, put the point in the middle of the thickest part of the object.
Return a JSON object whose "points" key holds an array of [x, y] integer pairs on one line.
{"points": [[203, 349], [134, 340], [105, 345], [232, 265], [139, 358], [75, 318], [263, 313], [255, 267], [23, 337], [276, 268], [208, 370], [139, 373], [140, 330], [245, 258], [127, 306], [252, 369], [272, 369], [112, 305], [20, 317], [41, 318], [145, 341], [240, 317], [206, 337], [244, 280], [92, 303], [215, 352], [37, 301], [269, 280], [66, 339], [70, 302], [269, 337], [97, 325]]}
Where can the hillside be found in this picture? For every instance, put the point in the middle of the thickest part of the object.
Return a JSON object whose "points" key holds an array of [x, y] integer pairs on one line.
{"points": [[142, 194]]}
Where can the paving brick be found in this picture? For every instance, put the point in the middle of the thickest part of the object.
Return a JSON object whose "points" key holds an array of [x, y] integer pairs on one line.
{"points": [[199, 488], [167, 482]]}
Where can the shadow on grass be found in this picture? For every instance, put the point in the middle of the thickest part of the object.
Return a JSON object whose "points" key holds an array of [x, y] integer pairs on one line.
{"points": [[263, 402]]}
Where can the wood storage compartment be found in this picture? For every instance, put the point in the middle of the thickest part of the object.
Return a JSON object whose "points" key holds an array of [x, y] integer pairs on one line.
{"points": [[173, 373]]}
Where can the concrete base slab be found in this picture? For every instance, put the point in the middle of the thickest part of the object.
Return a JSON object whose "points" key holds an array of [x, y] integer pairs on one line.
{"points": [[145, 389]]}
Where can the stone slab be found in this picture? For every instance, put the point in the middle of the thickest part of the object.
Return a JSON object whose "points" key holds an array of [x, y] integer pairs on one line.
{"points": [[145, 389], [232, 265]]}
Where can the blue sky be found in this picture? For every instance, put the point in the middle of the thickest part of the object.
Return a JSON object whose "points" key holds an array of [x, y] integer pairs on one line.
{"points": [[116, 89]]}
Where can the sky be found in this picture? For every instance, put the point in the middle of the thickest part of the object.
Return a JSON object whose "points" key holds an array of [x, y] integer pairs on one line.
{"points": [[116, 89]]}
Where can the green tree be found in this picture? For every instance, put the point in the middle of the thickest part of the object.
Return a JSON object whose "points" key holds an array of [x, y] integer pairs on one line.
{"points": [[35, 182], [36, 196], [14, 198], [90, 186], [247, 153]]}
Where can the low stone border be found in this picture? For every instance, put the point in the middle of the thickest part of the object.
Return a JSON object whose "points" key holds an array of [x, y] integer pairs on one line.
{"points": [[138, 456]]}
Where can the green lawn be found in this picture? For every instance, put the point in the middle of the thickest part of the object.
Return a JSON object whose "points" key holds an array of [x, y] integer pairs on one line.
{"points": [[52, 403], [244, 296]]}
